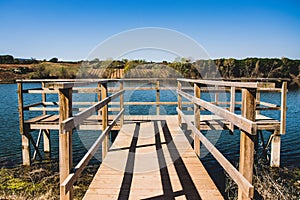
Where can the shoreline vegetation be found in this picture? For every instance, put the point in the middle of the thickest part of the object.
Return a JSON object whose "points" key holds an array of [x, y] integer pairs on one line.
{"points": [[41, 181], [12, 69]]}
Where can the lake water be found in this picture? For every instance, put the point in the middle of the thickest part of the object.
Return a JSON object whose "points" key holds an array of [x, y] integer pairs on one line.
{"points": [[10, 140]]}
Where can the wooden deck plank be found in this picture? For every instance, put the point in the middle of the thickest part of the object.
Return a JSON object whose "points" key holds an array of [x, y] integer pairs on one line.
{"points": [[152, 159]]}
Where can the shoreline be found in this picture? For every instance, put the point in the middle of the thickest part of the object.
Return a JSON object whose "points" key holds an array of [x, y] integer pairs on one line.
{"points": [[41, 180]]}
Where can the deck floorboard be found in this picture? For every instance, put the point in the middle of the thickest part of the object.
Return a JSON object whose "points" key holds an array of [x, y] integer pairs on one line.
{"points": [[152, 159]]}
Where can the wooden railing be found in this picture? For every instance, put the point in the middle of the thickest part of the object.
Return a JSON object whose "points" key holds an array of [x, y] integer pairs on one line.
{"points": [[68, 123], [246, 122], [251, 106]]}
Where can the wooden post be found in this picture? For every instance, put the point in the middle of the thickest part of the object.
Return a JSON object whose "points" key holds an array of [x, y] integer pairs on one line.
{"points": [[232, 105], [283, 108], [46, 132], [276, 139], [258, 101], [247, 140], [99, 96], [216, 95], [197, 120], [43, 97], [157, 97], [121, 103], [47, 143], [24, 133], [65, 140], [104, 120], [275, 150], [179, 102]]}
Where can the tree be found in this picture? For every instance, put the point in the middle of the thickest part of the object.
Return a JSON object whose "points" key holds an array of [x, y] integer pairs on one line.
{"points": [[6, 59], [53, 60]]}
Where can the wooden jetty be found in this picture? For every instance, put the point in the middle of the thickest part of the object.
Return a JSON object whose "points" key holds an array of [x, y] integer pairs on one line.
{"points": [[151, 157]]}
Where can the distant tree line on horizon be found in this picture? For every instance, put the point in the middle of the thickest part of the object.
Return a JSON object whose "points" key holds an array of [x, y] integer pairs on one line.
{"points": [[226, 68], [216, 68], [9, 59]]}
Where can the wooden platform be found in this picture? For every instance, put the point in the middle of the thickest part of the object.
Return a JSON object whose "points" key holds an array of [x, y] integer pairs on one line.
{"points": [[151, 158]]}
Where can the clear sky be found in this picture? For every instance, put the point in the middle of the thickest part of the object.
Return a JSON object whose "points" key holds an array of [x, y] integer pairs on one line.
{"points": [[69, 30]]}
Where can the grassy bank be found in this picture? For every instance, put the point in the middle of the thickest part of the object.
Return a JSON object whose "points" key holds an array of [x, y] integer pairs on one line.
{"points": [[9, 73], [270, 183], [40, 181]]}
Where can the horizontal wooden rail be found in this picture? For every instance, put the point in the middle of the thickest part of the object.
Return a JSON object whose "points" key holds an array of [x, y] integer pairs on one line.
{"points": [[127, 103], [65, 85], [231, 84], [72, 178], [205, 90], [150, 103], [265, 90], [238, 178], [48, 103], [77, 119], [32, 105], [43, 108], [243, 123], [40, 91], [271, 105], [86, 90]]}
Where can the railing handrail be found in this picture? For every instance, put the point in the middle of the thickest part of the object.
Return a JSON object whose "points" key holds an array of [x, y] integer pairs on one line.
{"points": [[246, 122], [78, 118], [239, 121], [246, 186], [230, 83], [72, 178]]}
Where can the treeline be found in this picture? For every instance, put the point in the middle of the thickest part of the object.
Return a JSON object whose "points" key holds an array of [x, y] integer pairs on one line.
{"points": [[216, 68], [225, 68], [252, 67], [9, 59]]}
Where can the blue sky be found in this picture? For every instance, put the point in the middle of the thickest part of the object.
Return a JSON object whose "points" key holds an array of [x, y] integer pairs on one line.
{"points": [[70, 30]]}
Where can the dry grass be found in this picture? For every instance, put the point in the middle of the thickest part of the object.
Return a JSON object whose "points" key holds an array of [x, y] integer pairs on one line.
{"points": [[40, 181], [270, 183]]}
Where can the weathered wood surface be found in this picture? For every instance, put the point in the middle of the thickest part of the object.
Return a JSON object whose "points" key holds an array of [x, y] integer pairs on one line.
{"points": [[246, 187], [152, 159], [246, 140]]}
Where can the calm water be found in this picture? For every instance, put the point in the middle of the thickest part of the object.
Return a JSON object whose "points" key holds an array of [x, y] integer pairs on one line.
{"points": [[10, 140]]}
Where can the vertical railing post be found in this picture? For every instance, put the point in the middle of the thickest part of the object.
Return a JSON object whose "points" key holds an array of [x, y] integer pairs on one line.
{"points": [[121, 103], [216, 95], [232, 105], [99, 96], [43, 97], [197, 119], [275, 149], [283, 108], [258, 101], [65, 140], [46, 132], [179, 102], [276, 138], [246, 139], [24, 133], [104, 111], [157, 97]]}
